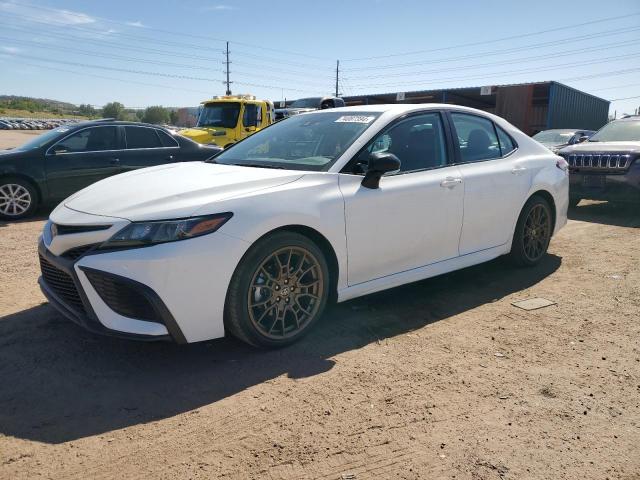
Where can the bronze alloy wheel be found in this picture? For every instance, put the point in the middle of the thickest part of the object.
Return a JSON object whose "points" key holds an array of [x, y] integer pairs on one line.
{"points": [[537, 232], [285, 293]]}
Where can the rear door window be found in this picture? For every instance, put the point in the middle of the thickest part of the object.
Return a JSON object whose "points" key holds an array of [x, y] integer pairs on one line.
{"points": [[476, 137], [142, 137], [166, 139], [506, 143]]}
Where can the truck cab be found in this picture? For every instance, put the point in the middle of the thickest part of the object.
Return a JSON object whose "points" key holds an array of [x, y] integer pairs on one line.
{"points": [[225, 120]]}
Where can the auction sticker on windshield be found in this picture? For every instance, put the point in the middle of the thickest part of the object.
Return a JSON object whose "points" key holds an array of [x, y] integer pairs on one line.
{"points": [[355, 119]]}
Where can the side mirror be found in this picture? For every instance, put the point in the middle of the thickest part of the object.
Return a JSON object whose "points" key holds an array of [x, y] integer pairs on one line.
{"points": [[583, 138], [379, 164], [58, 149]]}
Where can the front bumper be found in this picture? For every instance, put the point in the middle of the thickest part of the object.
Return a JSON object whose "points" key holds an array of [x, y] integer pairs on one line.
{"points": [[622, 187], [71, 300], [184, 284]]}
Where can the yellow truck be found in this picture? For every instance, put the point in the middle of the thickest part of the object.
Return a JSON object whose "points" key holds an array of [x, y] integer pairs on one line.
{"points": [[227, 119]]}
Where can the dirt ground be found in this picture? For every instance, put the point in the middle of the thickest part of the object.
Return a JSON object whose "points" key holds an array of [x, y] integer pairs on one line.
{"points": [[443, 378], [13, 138]]}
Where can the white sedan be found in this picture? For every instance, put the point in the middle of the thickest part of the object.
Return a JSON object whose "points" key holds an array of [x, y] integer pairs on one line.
{"points": [[332, 204]]}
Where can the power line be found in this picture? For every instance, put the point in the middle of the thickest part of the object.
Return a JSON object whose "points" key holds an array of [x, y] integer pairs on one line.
{"points": [[143, 72], [104, 43], [16, 41], [578, 38], [496, 40], [46, 67], [507, 62], [92, 31], [626, 98], [509, 72], [613, 88], [173, 32], [140, 60]]}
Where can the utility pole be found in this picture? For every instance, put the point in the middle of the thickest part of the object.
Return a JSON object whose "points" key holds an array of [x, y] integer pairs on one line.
{"points": [[337, 75], [227, 72]]}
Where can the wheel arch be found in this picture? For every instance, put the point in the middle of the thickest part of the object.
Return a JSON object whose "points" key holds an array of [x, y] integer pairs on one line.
{"points": [[323, 243], [545, 194]]}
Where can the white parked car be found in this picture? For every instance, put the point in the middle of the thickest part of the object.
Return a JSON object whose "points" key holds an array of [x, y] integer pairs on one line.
{"points": [[335, 203]]}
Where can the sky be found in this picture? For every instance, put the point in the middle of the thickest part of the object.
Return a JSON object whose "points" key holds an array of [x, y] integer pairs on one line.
{"points": [[170, 52]]}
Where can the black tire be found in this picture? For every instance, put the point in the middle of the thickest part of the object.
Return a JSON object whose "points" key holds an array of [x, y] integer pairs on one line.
{"points": [[18, 198], [256, 298], [533, 232], [574, 201]]}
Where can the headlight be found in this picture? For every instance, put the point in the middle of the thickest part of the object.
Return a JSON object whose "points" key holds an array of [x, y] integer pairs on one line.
{"points": [[141, 234]]}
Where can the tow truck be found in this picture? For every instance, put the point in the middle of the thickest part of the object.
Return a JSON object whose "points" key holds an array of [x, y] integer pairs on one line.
{"points": [[224, 120]]}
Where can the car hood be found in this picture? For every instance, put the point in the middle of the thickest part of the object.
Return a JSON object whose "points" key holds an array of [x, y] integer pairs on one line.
{"points": [[589, 147], [197, 134], [8, 152], [174, 190]]}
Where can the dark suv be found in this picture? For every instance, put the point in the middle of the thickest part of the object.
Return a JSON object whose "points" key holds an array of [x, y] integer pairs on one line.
{"points": [[607, 166]]}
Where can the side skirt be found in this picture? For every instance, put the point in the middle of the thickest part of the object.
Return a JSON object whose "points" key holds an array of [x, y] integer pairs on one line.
{"points": [[421, 273]]}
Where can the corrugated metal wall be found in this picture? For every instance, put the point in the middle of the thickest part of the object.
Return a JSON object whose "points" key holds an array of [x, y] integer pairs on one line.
{"points": [[513, 103], [531, 107], [570, 108]]}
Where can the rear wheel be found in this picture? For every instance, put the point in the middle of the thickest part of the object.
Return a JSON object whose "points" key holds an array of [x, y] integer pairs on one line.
{"points": [[18, 198], [533, 232], [278, 291]]}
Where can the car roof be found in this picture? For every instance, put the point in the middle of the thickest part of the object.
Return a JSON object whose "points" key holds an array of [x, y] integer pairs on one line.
{"points": [[400, 108], [90, 123]]}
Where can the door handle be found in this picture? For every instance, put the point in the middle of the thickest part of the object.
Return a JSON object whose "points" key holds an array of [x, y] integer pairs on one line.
{"points": [[114, 161], [170, 157], [450, 182], [518, 170]]}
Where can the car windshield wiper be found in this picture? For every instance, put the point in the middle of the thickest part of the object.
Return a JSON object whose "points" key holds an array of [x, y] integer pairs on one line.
{"points": [[258, 165]]}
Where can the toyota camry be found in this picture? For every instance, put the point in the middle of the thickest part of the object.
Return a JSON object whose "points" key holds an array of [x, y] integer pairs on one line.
{"points": [[327, 205]]}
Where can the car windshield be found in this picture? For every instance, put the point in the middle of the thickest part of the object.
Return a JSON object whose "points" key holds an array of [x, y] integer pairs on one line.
{"points": [[618, 131], [222, 114], [554, 136], [304, 142], [306, 103], [41, 140]]}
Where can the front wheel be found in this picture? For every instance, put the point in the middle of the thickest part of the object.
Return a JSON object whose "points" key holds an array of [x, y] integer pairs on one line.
{"points": [[18, 199], [278, 291], [533, 232]]}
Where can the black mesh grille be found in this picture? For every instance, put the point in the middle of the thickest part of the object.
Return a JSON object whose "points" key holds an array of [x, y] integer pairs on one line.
{"points": [[62, 285], [77, 252], [122, 297]]}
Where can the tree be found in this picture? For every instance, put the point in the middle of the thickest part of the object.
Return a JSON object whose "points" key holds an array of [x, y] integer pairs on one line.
{"points": [[139, 115], [156, 114], [113, 110], [87, 110], [173, 117]]}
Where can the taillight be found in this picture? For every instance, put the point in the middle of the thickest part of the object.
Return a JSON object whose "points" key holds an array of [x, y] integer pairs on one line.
{"points": [[562, 164]]}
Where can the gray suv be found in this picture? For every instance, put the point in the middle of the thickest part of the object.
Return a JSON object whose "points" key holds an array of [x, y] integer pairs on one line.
{"points": [[607, 165]]}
